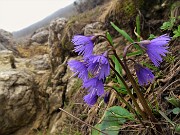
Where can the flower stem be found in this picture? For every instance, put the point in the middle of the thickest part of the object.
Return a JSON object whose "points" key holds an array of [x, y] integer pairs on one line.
{"points": [[128, 105], [139, 94], [129, 92]]}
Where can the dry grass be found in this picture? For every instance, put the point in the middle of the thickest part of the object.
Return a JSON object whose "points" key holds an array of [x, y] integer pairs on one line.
{"points": [[31, 51]]}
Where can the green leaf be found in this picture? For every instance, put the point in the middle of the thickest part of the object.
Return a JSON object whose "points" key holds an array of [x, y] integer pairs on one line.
{"points": [[109, 38], [150, 66], [177, 32], [176, 110], [164, 115], [121, 90], [166, 26], [123, 33], [151, 36], [177, 128], [174, 101], [96, 132], [169, 24], [118, 68], [113, 119], [134, 53], [138, 26]]}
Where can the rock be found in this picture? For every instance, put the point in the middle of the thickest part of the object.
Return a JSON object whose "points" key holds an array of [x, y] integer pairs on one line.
{"points": [[56, 98], [2, 47], [94, 29], [7, 42], [56, 54], [101, 47], [40, 62], [17, 98], [40, 37], [58, 24], [5, 37], [5, 59]]}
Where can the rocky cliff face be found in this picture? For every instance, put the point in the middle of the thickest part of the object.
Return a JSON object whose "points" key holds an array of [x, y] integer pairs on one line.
{"points": [[7, 42], [17, 97], [38, 86]]}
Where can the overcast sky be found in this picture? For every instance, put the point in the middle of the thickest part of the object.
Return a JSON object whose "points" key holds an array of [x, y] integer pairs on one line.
{"points": [[17, 14]]}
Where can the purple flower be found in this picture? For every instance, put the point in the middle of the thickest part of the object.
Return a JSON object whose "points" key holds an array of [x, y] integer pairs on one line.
{"points": [[79, 68], [94, 85], [156, 48], [91, 98], [95, 88], [144, 74], [99, 66], [83, 45]]}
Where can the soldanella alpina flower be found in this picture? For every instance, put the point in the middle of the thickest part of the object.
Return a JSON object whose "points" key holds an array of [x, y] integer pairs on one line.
{"points": [[144, 74], [79, 68], [94, 84], [98, 65], [91, 98], [95, 88], [157, 48], [83, 45]]}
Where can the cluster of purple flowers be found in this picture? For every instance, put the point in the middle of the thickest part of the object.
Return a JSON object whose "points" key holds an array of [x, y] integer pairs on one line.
{"points": [[92, 70], [155, 49]]}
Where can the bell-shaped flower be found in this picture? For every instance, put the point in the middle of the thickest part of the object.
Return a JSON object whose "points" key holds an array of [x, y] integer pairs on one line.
{"points": [[91, 98], [79, 68], [83, 45], [99, 65], [144, 74], [94, 84], [157, 48]]}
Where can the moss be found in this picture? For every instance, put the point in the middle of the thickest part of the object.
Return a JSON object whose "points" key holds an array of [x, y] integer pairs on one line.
{"points": [[122, 13], [130, 7]]}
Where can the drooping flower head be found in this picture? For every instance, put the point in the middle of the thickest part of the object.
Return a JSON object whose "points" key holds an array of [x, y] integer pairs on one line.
{"points": [[83, 45], [91, 98], [157, 48], [95, 88], [94, 84], [144, 74], [99, 66], [79, 68]]}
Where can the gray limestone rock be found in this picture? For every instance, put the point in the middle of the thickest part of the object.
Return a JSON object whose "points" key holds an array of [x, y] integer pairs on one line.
{"points": [[40, 37], [58, 24], [17, 98], [40, 62], [93, 29], [7, 42]]}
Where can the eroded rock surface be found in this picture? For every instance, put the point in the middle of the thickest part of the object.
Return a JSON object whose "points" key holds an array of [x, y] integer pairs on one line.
{"points": [[7, 42], [17, 98], [40, 62], [94, 29], [54, 40], [40, 36]]}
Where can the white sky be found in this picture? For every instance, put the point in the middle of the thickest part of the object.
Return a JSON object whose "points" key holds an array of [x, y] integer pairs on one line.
{"points": [[18, 14]]}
